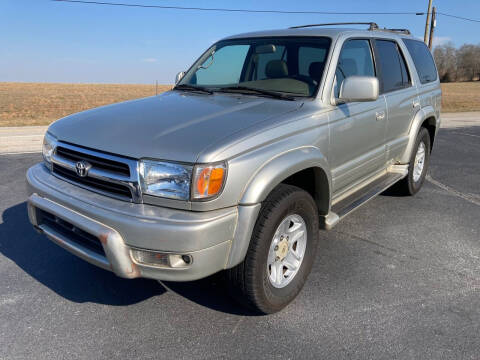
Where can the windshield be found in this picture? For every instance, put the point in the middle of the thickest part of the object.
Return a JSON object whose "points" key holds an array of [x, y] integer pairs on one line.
{"points": [[289, 65]]}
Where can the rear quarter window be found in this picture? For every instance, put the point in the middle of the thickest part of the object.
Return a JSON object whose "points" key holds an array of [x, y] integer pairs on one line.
{"points": [[423, 60]]}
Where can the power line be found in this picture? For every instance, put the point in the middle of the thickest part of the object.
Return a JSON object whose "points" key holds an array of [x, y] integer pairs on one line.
{"points": [[264, 11], [458, 17], [237, 10]]}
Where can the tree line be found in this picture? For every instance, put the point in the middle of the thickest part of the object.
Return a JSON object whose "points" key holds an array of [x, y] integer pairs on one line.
{"points": [[462, 64]]}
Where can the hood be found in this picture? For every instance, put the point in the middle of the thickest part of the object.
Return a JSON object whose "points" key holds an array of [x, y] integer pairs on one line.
{"points": [[174, 126]]}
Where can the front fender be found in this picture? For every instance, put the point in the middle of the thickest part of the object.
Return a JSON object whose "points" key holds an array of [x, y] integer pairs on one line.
{"points": [[263, 181], [280, 167], [425, 113]]}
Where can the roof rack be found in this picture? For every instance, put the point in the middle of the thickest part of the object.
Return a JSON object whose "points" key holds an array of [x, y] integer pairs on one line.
{"points": [[373, 26], [402, 31]]}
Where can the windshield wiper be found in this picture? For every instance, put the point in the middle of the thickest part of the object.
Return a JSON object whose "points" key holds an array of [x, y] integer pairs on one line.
{"points": [[188, 87], [249, 90]]}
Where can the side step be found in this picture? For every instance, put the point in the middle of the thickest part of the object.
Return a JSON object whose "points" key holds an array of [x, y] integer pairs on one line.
{"points": [[368, 192]]}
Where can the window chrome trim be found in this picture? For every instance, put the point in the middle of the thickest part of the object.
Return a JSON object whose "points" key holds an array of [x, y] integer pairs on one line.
{"points": [[131, 182]]}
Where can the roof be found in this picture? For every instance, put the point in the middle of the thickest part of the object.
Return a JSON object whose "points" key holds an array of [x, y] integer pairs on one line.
{"points": [[316, 31]]}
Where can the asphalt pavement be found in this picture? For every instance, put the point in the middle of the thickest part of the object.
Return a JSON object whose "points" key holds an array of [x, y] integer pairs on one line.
{"points": [[397, 279]]}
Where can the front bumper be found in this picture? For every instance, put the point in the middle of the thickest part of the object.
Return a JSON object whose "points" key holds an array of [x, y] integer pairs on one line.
{"points": [[121, 226]]}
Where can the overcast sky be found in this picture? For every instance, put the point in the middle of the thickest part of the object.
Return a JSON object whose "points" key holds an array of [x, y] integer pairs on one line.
{"points": [[45, 41]]}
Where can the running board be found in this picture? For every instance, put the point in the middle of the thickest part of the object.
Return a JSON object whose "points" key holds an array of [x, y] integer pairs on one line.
{"points": [[362, 196]]}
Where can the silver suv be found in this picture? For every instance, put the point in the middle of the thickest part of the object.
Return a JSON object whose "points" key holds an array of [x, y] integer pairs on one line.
{"points": [[267, 138]]}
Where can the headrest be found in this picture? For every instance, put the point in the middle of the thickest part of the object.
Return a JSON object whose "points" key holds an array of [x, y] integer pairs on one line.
{"points": [[276, 69], [315, 70]]}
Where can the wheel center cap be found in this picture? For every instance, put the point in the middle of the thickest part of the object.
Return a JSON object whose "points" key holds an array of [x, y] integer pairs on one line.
{"points": [[282, 249]]}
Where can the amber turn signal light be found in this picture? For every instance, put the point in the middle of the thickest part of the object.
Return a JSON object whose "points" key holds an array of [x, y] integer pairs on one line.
{"points": [[208, 180]]}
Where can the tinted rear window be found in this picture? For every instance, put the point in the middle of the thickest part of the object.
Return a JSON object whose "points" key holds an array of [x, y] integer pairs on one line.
{"points": [[423, 60], [394, 74]]}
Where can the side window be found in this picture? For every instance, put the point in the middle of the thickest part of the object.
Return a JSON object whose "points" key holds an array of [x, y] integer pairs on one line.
{"points": [[355, 59], [423, 60], [394, 74], [219, 71]]}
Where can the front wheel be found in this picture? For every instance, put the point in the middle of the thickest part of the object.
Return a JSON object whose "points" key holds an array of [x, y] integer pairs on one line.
{"points": [[281, 251], [417, 168]]}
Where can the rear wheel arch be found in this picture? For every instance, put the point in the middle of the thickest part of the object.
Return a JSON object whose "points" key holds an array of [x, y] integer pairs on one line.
{"points": [[424, 118], [417, 166], [430, 124]]}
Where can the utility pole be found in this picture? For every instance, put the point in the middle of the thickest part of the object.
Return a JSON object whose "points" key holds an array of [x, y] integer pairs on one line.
{"points": [[432, 27], [425, 37]]}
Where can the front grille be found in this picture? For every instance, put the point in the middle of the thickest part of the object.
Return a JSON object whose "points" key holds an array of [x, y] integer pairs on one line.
{"points": [[117, 190], [109, 175], [69, 231], [112, 166]]}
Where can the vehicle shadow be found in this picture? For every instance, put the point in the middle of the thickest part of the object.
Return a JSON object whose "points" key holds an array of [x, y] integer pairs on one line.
{"points": [[394, 191], [65, 274], [210, 292], [79, 281]]}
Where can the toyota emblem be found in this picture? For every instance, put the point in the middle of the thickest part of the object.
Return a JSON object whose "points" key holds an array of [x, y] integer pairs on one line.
{"points": [[82, 167]]}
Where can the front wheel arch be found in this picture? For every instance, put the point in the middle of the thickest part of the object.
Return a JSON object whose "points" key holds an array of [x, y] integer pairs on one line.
{"points": [[287, 168], [291, 168]]}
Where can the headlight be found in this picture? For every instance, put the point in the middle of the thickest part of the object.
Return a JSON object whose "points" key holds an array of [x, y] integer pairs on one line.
{"points": [[208, 180], [49, 144], [170, 180], [165, 179]]}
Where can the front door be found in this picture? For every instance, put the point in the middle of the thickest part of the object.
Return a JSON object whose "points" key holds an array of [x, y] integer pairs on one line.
{"points": [[357, 129]]}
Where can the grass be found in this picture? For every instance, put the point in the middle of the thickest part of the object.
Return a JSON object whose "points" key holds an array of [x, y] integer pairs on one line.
{"points": [[461, 96], [23, 104]]}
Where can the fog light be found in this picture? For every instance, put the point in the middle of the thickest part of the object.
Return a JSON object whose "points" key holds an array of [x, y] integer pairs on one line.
{"points": [[153, 258]]}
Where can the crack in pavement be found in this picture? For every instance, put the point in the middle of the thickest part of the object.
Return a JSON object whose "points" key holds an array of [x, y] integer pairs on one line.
{"points": [[440, 266], [468, 197], [371, 242], [466, 134]]}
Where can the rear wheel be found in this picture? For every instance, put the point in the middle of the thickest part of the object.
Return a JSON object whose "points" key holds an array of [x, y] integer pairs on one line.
{"points": [[281, 251], [417, 168]]}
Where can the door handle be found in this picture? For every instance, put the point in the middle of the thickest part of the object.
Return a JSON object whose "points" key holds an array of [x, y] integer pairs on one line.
{"points": [[380, 115]]}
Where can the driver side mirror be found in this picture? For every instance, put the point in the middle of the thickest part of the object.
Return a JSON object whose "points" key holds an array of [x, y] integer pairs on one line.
{"points": [[179, 77], [359, 88]]}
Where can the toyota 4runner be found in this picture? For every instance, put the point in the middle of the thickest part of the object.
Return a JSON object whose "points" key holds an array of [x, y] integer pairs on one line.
{"points": [[267, 138]]}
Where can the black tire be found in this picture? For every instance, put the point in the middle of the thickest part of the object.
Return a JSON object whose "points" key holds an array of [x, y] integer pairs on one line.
{"points": [[408, 186], [249, 282]]}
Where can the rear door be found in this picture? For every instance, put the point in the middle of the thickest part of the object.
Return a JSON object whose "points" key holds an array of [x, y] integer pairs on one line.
{"points": [[357, 129], [401, 97], [429, 91]]}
